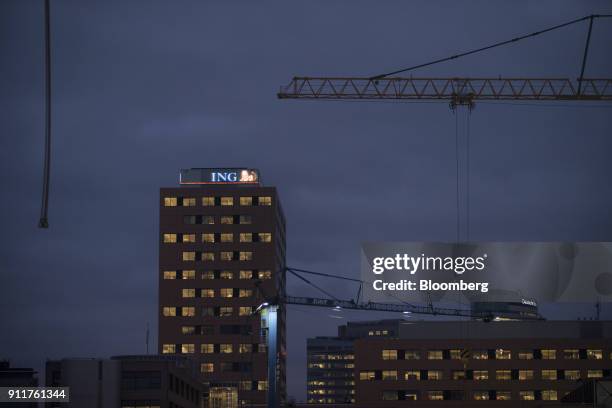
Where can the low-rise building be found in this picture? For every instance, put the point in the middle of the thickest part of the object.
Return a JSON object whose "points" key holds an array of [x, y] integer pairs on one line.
{"points": [[492, 364], [148, 381]]}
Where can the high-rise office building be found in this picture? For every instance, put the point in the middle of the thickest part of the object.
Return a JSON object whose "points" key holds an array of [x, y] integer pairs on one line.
{"points": [[221, 255], [330, 371]]}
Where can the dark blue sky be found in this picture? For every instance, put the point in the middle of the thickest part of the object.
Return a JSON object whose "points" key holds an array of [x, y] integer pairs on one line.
{"points": [[143, 88]]}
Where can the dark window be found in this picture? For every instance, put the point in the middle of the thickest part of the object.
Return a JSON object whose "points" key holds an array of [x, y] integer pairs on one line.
{"points": [[141, 380]]}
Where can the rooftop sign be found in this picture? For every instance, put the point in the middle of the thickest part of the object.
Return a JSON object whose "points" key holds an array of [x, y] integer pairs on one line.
{"points": [[219, 176]]}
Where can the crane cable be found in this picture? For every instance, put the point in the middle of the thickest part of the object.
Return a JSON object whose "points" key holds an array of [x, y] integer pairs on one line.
{"points": [[467, 176], [44, 222], [499, 44]]}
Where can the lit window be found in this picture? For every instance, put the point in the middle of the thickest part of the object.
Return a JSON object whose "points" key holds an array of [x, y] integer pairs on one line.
{"points": [[367, 375], [246, 237], [481, 395], [571, 354], [188, 238], [226, 292], [245, 386], [226, 348], [189, 202], [208, 238], [595, 374], [246, 219], [227, 201], [188, 274], [389, 354], [262, 385], [549, 395], [480, 354], [264, 237], [227, 255], [207, 293], [572, 374], [408, 395], [168, 348], [525, 355], [503, 375], [264, 201], [525, 375], [389, 375], [481, 375], [169, 275], [245, 311], [412, 375], [502, 354], [187, 348], [187, 311], [188, 293], [412, 355], [208, 275], [527, 395], [594, 354], [435, 375], [503, 395], [549, 354], [170, 201], [227, 219], [246, 200], [244, 293], [265, 274], [435, 395], [208, 256], [549, 374], [188, 256], [455, 354], [246, 255], [435, 355], [169, 311], [207, 367], [246, 274], [245, 348], [458, 375], [169, 238], [207, 348], [226, 275], [226, 311], [188, 329], [208, 201], [227, 237]]}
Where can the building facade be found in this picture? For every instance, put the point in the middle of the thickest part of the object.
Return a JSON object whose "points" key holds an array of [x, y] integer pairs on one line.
{"points": [[221, 255], [506, 363], [147, 381], [17, 377], [330, 371]]}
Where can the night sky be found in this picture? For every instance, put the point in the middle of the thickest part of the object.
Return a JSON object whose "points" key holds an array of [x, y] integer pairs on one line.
{"points": [[144, 88]]}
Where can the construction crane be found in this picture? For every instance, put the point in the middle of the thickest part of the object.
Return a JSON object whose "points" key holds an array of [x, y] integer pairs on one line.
{"points": [[457, 91], [270, 306]]}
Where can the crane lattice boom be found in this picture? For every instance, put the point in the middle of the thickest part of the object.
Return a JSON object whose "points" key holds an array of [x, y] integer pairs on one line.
{"points": [[457, 90]]}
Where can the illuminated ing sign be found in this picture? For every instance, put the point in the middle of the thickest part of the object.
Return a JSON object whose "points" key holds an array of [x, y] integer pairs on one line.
{"points": [[219, 176]]}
